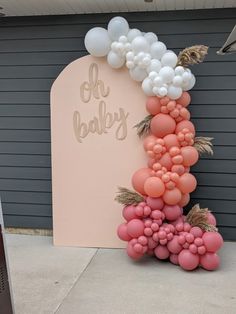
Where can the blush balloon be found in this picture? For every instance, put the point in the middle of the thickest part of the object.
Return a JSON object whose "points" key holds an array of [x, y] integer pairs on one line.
{"points": [[162, 124], [211, 219], [174, 259], [185, 124], [161, 252], [172, 197], [190, 155], [210, 261], [122, 232], [172, 212], [129, 212], [174, 246], [185, 198], [184, 99], [213, 241], [155, 203], [188, 260], [166, 161], [150, 139], [171, 140], [154, 187], [139, 178], [135, 228], [153, 105], [187, 183]]}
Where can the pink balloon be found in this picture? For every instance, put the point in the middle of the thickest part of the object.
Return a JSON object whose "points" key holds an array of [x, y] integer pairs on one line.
{"points": [[129, 212], [190, 155], [188, 260], [161, 252], [122, 232], [162, 124], [185, 198], [185, 124], [213, 241], [172, 212], [149, 140], [151, 243], [139, 178], [155, 203], [210, 261], [187, 183], [184, 99], [154, 187], [135, 228], [211, 219], [166, 161], [171, 140], [153, 105], [131, 253], [174, 246], [172, 197], [174, 259], [196, 231]]}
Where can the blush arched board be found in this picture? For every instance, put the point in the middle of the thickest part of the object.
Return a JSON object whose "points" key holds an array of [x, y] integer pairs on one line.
{"points": [[95, 149]]}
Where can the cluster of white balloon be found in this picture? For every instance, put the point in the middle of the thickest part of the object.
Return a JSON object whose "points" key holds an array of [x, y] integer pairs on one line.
{"points": [[147, 58]]}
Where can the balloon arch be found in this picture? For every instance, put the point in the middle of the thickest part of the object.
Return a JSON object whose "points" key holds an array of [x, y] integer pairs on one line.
{"points": [[155, 223]]}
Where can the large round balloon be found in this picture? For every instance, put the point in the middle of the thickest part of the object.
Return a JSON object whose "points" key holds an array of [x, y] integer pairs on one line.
{"points": [[161, 252], [97, 42], [117, 27], [210, 261], [171, 140], [122, 232], [172, 212], [153, 105], [162, 124], [212, 241], [185, 124], [190, 155], [187, 183], [139, 178], [184, 99], [172, 197], [135, 228], [114, 60], [154, 187], [188, 260]]}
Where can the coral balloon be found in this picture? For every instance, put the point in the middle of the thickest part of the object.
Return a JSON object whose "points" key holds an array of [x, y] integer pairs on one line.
{"points": [[184, 200], [178, 169], [135, 228], [188, 260], [187, 183], [166, 161], [190, 155], [185, 124], [210, 261], [174, 259], [155, 203], [161, 252], [139, 178], [162, 124], [129, 212], [122, 232], [172, 212], [149, 140], [153, 105], [171, 140], [212, 241], [172, 197], [154, 187], [184, 99], [174, 246]]}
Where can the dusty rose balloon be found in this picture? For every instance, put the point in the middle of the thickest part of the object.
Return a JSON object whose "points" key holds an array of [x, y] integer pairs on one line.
{"points": [[213, 241], [151, 243], [187, 183], [184, 99], [154, 187], [185, 124], [129, 212], [153, 105], [122, 232], [162, 124], [171, 212], [211, 219], [185, 198], [171, 140], [174, 246], [196, 231], [166, 161], [161, 252], [135, 228], [131, 253], [188, 260], [139, 178], [156, 203], [172, 197], [190, 155], [150, 139], [210, 261], [174, 259]]}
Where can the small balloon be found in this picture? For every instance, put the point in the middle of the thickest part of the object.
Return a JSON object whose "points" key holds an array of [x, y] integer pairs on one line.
{"points": [[171, 140], [138, 74], [169, 59], [114, 60], [187, 183], [188, 260], [210, 261], [185, 124], [161, 252], [213, 241], [129, 212], [174, 246], [122, 232], [190, 155], [139, 178], [140, 44], [135, 228], [172, 212], [151, 37], [172, 197], [154, 187], [162, 125], [147, 87], [133, 33], [153, 105], [184, 99], [157, 50]]}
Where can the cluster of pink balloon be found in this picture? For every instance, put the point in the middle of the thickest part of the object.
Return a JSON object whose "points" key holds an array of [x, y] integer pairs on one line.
{"points": [[157, 225]]}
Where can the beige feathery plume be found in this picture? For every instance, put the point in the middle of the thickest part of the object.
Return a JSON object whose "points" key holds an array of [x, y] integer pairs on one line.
{"points": [[128, 197], [192, 55], [203, 145], [143, 127], [197, 217]]}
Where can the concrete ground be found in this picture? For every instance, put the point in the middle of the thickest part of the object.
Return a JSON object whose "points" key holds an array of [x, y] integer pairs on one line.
{"points": [[49, 279]]}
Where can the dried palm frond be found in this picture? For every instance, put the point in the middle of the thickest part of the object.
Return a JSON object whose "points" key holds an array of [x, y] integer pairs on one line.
{"points": [[203, 145], [192, 55], [197, 217], [143, 127], [128, 197]]}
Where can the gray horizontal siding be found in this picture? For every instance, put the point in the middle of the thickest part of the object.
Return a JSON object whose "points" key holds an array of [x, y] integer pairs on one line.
{"points": [[34, 50]]}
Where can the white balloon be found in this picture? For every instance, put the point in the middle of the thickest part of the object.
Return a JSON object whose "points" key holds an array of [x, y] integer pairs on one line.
{"points": [[97, 42], [123, 39], [130, 56], [177, 81], [162, 91], [147, 87], [133, 33], [151, 37], [138, 74], [190, 84], [114, 60], [117, 27], [186, 77], [146, 61], [157, 50], [174, 92], [130, 64], [179, 70], [167, 74], [128, 46], [152, 75], [170, 59], [158, 82], [140, 44], [155, 65]]}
